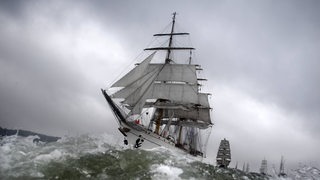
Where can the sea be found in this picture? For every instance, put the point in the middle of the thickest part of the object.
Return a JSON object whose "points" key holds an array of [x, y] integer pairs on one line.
{"points": [[103, 156]]}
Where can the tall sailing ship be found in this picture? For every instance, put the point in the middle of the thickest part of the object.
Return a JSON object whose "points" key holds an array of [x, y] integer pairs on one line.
{"points": [[161, 104], [224, 154], [281, 171], [264, 167]]}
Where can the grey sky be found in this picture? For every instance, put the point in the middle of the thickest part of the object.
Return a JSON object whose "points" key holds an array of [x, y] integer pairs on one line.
{"points": [[261, 58]]}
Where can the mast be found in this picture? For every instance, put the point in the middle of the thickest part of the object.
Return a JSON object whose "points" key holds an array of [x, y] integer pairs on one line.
{"points": [[158, 121], [167, 61], [170, 47], [247, 168], [179, 137], [170, 40]]}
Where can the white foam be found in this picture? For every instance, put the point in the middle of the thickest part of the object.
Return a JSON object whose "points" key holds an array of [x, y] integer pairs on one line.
{"points": [[166, 172], [56, 154]]}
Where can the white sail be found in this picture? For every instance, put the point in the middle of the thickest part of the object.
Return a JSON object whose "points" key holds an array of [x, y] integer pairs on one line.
{"points": [[167, 73], [135, 73], [130, 89], [181, 93], [203, 100], [176, 72], [138, 98], [175, 92]]}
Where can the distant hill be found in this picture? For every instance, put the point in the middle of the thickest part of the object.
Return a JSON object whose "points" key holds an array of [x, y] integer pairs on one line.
{"points": [[24, 133]]}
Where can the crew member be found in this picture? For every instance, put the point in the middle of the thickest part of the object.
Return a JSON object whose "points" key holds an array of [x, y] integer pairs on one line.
{"points": [[125, 141], [139, 142]]}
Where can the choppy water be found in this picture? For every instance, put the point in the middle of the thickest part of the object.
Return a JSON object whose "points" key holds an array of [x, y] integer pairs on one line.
{"points": [[99, 157]]}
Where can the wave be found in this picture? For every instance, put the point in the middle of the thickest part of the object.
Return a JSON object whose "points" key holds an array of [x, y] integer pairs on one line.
{"points": [[100, 157]]}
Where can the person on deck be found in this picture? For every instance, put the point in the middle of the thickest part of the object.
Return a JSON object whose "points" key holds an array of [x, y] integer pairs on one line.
{"points": [[139, 142], [125, 141]]}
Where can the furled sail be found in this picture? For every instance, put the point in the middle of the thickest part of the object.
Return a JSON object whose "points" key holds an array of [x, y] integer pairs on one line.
{"points": [[194, 114]]}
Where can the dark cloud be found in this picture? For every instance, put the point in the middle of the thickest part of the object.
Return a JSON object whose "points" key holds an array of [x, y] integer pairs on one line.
{"points": [[12, 8], [261, 59], [43, 88], [270, 50]]}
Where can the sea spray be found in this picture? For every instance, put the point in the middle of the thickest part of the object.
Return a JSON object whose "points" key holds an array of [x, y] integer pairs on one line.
{"points": [[102, 157]]}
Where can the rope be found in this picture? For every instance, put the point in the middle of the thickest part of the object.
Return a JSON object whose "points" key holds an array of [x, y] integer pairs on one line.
{"points": [[139, 55]]}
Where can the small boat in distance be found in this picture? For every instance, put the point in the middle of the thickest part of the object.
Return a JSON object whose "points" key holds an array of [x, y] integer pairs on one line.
{"points": [[161, 104]]}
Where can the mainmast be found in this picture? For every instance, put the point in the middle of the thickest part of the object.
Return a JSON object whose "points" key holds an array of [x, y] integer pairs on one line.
{"points": [[170, 40], [167, 61], [170, 47]]}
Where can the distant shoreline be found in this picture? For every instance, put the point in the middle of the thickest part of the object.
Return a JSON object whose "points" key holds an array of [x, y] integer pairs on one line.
{"points": [[25, 133]]}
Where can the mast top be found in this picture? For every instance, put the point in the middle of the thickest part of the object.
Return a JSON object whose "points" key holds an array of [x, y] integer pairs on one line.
{"points": [[174, 16], [170, 46], [168, 59]]}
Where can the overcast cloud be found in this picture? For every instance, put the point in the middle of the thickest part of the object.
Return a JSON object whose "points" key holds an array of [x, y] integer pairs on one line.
{"points": [[262, 60]]}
